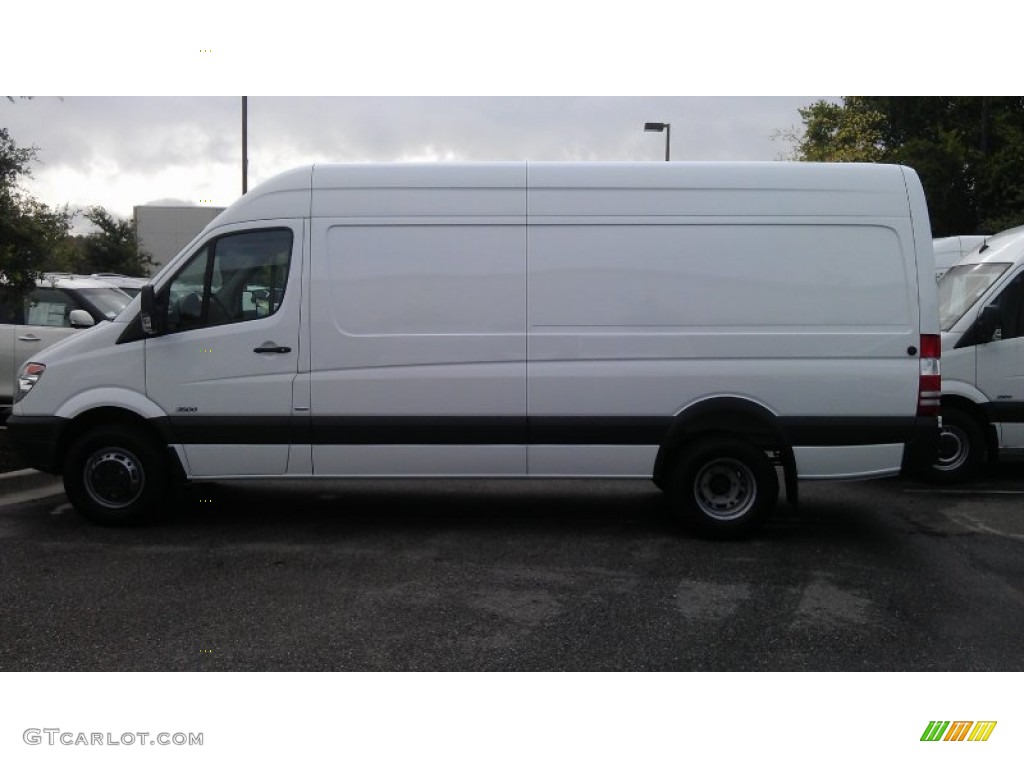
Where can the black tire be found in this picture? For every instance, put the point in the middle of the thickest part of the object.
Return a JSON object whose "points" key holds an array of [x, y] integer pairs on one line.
{"points": [[962, 449], [116, 476], [724, 487]]}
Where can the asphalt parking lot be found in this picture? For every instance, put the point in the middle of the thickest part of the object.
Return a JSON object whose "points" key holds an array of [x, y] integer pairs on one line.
{"points": [[884, 575]]}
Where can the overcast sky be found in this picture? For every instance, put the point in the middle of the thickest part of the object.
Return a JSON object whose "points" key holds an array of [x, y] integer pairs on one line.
{"points": [[119, 152], [407, 74]]}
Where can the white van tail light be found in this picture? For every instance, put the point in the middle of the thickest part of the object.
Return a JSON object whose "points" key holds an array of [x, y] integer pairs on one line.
{"points": [[929, 389], [29, 376]]}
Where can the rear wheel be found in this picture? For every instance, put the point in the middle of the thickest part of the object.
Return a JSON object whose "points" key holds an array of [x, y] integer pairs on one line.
{"points": [[962, 449], [115, 476], [724, 487]]}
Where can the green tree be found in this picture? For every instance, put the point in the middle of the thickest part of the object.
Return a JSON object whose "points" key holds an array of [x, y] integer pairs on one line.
{"points": [[968, 151], [850, 133], [29, 230], [113, 248]]}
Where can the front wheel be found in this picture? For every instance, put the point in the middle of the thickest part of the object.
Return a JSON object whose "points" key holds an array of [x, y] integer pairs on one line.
{"points": [[725, 487], [115, 476], [962, 449]]}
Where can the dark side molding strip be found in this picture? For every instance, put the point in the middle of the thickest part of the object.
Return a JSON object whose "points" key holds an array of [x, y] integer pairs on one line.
{"points": [[510, 430]]}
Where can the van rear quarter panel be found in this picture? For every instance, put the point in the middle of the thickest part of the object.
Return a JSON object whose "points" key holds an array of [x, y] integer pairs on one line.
{"points": [[653, 288], [643, 318]]}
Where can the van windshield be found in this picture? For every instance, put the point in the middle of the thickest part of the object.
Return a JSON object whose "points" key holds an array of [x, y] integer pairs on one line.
{"points": [[961, 287], [108, 301]]}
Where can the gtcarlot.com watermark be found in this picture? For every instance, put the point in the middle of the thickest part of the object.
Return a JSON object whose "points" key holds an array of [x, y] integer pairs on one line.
{"points": [[55, 736]]}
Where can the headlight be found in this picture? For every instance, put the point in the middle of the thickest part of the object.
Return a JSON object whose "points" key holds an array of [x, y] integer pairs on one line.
{"points": [[29, 376]]}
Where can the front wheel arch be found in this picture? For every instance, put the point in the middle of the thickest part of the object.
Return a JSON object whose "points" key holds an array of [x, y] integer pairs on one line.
{"points": [[965, 442], [109, 416]]}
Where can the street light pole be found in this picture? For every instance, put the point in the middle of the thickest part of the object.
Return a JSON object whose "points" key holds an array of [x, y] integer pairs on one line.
{"points": [[658, 128], [245, 144]]}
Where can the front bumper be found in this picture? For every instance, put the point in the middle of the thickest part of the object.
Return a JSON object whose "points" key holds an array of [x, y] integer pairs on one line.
{"points": [[37, 439]]}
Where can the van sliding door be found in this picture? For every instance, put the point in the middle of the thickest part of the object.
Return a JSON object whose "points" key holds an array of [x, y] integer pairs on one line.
{"points": [[418, 347]]}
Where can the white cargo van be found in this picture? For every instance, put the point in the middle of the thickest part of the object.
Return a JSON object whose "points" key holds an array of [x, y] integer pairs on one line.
{"points": [[981, 311], [696, 324]]}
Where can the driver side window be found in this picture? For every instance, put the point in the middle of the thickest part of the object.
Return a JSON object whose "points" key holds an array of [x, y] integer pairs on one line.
{"points": [[235, 278], [1011, 310]]}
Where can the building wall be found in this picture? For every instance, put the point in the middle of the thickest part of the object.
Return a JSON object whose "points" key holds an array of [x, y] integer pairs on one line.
{"points": [[164, 230]]}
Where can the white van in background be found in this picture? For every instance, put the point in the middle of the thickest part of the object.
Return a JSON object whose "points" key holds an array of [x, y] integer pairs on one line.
{"points": [[697, 324], [949, 250], [981, 311]]}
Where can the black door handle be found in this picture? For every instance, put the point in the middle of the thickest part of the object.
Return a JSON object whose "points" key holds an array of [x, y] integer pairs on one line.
{"points": [[275, 350]]}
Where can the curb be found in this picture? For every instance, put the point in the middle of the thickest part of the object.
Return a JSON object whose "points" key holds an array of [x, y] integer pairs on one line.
{"points": [[26, 484]]}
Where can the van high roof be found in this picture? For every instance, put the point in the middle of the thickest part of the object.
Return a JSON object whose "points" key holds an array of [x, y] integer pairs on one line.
{"points": [[867, 189]]}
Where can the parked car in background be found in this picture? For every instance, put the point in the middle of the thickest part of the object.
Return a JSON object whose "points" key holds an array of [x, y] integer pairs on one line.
{"points": [[949, 250], [59, 305], [981, 312], [130, 285]]}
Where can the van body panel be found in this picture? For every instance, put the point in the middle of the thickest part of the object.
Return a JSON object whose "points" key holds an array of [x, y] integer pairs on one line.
{"points": [[922, 281], [420, 300], [785, 385], [715, 189], [403, 460], [592, 460], [848, 462], [287, 195], [962, 365], [617, 325], [1012, 435], [1000, 367], [103, 371], [130, 396], [411, 190]]}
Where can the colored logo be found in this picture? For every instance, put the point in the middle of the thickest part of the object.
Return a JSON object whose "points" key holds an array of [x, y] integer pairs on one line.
{"points": [[959, 730]]}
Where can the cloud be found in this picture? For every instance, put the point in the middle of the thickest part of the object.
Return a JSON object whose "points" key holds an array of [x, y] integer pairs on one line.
{"points": [[123, 151]]}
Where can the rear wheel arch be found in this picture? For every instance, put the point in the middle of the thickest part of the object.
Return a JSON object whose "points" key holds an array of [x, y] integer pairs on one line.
{"points": [[724, 417]]}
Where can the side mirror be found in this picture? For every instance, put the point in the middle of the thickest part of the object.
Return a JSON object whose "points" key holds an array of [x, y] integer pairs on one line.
{"points": [[988, 323], [79, 318], [153, 320]]}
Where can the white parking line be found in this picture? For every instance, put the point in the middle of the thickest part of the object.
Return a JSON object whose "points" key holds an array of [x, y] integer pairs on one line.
{"points": [[963, 492], [977, 526], [33, 494]]}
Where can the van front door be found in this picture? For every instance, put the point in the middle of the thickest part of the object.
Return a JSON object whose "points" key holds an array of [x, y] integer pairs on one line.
{"points": [[223, 370], [1001, 364]]}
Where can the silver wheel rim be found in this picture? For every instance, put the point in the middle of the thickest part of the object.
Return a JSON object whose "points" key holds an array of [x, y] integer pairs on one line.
{"points": [[113, 477], [725, 489], [953, 449]]}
